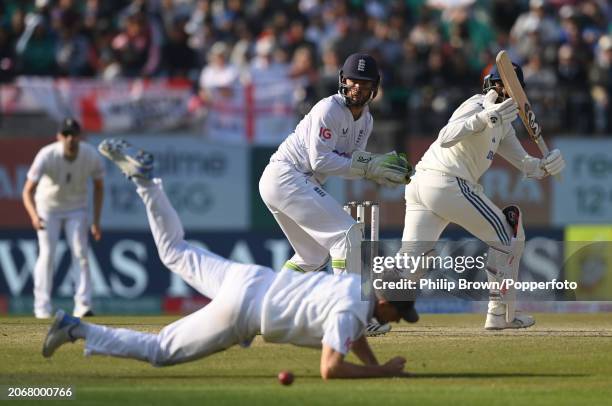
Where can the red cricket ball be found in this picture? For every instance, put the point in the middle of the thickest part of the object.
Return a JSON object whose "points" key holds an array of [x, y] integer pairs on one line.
{"points": [[285, 377]]}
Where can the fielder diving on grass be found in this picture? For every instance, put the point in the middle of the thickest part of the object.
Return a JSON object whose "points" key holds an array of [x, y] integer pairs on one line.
{"points": [[312, 309]]}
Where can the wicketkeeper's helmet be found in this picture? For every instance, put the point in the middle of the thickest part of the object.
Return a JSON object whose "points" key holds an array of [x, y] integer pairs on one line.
{"points": [[358, 67]]}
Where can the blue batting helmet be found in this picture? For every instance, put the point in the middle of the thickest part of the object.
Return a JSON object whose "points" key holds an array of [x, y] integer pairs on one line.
{"points": [[493, 76]]}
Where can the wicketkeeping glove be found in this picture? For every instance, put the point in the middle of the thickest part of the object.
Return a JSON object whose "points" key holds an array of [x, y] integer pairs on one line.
{"points": [[496, 114], [390, 169]]}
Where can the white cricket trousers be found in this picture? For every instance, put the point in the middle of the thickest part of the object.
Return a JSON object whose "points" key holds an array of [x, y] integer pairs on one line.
{"points": [[76, 225], [434, 199], [315, 224], [232, 317]]}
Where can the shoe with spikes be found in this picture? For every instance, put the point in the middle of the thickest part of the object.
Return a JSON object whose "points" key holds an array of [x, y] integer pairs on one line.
{"points": [[133, 162]]}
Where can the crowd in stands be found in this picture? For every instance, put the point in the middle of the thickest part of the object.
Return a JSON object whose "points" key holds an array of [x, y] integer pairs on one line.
{"points": [[432, 53]]}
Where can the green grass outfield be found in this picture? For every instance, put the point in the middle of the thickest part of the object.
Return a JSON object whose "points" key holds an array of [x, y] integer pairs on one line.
{"points": [[564, 359]]}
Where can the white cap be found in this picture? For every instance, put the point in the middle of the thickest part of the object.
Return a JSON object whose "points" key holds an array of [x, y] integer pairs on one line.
{"points": [[219, 48], [264, 46], [605, 43]]}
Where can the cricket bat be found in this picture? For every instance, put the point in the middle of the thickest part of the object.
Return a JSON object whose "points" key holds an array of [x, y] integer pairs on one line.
{"points": [[515, 90]]}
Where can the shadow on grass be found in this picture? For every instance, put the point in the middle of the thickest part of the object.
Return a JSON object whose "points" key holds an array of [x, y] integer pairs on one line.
{"points": [[433, 375], [480, 375], [168, 377]]}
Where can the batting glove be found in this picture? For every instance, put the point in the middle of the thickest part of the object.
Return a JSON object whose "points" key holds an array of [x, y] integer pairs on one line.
{"points": [[553, 163], [496, 114], [536, 168]]}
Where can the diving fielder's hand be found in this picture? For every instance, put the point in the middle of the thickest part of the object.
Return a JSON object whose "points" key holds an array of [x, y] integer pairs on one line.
{"points": [[395, 367], [496, 114], [390, 169]]}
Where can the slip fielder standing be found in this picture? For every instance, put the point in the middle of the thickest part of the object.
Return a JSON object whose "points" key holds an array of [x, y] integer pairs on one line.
{"points": [[55, 197]]}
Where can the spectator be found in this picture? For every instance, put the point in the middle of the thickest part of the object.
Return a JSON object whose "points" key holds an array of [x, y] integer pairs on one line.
{"points": [[384, 41], [37, 51], [538, 75], [135, 48], [244, 46], [201, 17], [572, 76], [143, 38], [541, 80], [219, 76], [72, 49], [328, 73], [179, 60], [268, 65], [505, 13], [345, 42], [7, 56], [103, 56], [600, 78], [536, 19], [572, 35], [304, 74], [295, 39]]}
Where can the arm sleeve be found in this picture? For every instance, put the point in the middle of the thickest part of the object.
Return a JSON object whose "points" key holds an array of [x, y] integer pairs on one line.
{"points": [[37, 169], [462, 124], [511, 150], [321, 152], [98, 168], [341, 331]]}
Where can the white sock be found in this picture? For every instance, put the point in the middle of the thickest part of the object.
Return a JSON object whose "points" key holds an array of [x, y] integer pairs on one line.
{"points": [[80, 330]]}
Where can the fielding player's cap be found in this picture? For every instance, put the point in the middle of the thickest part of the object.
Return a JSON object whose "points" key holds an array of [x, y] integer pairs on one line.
{"points": [[406, 310], [69, 126], [361, 67], [401, 300]]}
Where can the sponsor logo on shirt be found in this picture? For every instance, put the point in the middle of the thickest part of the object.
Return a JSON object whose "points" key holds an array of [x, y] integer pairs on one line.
{"points": [[359, 137], [325, 133], [319, 191], [344, 154]]}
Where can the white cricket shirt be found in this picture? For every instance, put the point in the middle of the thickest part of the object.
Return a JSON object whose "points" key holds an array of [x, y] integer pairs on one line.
{"points": [[323, 142], [62, 184], [315, 308], [465, 147]]}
